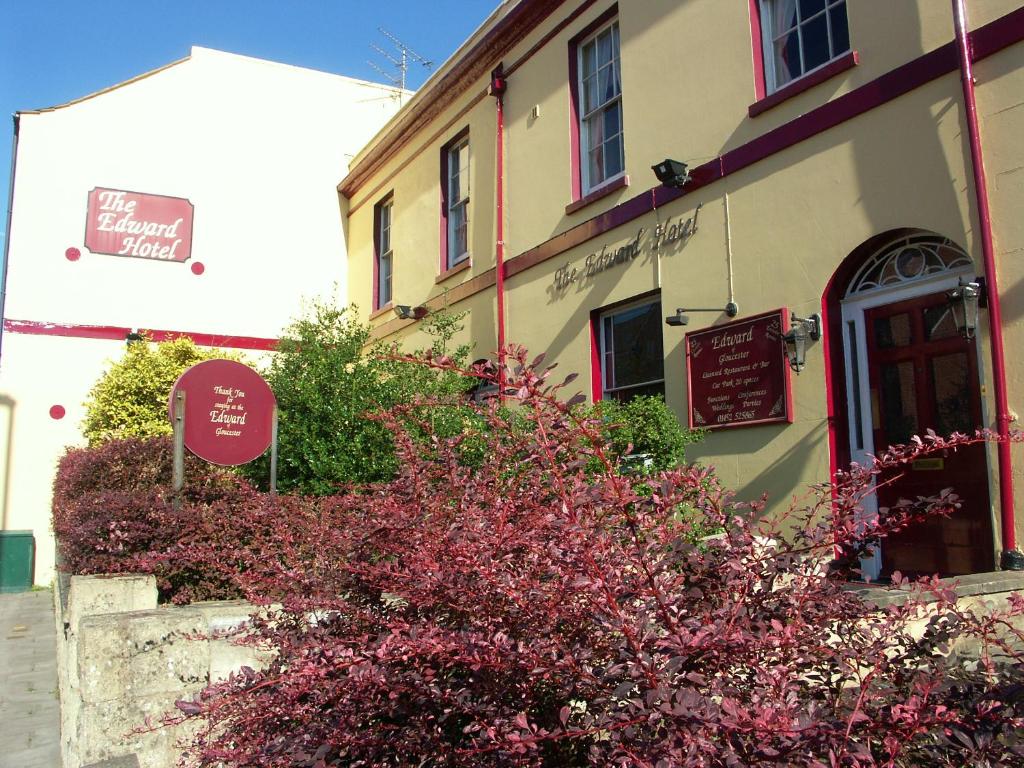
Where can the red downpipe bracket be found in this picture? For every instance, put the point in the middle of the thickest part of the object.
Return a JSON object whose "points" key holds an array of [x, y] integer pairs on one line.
{"points": [[1012, 558], [497, 90]]}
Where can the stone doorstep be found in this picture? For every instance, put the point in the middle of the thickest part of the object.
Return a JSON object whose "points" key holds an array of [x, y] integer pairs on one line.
{"points": [[971, 585]]}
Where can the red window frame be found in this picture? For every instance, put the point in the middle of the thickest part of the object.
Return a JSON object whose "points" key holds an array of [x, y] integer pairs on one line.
{"points": [[444, 267]]}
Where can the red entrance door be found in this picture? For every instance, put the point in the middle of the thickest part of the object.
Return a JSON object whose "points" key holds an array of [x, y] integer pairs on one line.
{"points": [[923, 375]]}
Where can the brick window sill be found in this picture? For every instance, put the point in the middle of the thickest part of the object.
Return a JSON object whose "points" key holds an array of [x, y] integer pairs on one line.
{"points": [[460, 267], [848, 60], [614, 185]]}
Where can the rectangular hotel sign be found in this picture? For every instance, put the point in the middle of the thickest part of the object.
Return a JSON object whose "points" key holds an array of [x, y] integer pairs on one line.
{"points": [[122, 223], [737, 373]]}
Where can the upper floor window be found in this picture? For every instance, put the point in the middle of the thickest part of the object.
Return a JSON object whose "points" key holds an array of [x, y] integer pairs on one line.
{"points": [[600, 107], [800, 36], [631, 352], [455, 201], [383, 256]]}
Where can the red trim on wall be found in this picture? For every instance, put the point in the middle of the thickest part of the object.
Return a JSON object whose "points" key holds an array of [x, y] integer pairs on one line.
{"points": [[119, 333], [757, 49], [596, 384], [499, 83], [575, 161], [997, 35], [965, 56], [848, 60]]}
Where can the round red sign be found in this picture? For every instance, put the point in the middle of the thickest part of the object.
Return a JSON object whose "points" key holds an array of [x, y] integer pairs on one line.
{"points": [[229, 411]]}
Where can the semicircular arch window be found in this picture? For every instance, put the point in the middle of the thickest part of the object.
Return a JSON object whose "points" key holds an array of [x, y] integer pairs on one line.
{"points": [[908, 260]]}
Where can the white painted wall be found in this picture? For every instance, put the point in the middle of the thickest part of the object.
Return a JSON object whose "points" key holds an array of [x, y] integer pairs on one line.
{"points": [[257, 147]]}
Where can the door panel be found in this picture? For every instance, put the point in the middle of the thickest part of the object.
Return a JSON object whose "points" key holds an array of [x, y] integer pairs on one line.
{"points": [[922, 376]]}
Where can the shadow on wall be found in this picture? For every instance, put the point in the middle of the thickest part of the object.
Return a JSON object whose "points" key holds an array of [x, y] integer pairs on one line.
{"points": [[7, 425]]}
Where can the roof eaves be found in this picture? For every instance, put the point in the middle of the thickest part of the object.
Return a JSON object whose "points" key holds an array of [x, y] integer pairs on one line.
{"points": [[495, 37], [103, 91]]}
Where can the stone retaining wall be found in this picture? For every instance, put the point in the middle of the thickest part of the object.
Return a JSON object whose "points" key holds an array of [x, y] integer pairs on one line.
{"points": [[121, 658]]}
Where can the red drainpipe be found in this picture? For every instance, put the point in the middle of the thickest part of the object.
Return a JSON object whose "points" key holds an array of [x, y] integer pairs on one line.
{"points": [[497, 90], [1011, 558]]}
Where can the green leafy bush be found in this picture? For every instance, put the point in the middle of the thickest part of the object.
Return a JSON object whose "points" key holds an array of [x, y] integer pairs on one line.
{"points": [[653, 431], [327, 376], [130, 399]]}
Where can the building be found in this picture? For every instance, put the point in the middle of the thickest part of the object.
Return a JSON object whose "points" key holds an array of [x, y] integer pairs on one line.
{"points": [[835, 158], [198, 200]]}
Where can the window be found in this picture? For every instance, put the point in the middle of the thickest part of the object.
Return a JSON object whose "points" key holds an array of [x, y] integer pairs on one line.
{"points": [[632, 357], [455, 202], [598, 101], [800, 36], [383, 264]]}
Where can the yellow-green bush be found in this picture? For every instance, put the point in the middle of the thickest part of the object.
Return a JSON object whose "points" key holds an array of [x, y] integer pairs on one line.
{"points": [[130, 399]]}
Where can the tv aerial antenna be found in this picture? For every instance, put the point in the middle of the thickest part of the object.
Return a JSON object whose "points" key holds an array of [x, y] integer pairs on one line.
{"points": [[400, 60]]}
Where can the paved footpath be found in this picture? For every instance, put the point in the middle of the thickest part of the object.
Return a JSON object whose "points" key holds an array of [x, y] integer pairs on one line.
{"points": [[29, 706]]}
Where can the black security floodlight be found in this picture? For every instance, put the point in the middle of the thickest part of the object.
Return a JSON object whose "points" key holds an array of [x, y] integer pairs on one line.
{"points": [[671, 173], [407, 312]]}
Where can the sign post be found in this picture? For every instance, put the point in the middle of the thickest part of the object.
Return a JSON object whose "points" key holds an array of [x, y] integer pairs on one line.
{"points": [[737, 374], [179, 446], [273, 456]]}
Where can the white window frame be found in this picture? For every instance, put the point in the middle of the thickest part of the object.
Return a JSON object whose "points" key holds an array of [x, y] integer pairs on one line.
{"points": [[606, 349], [597, 112], [769, 35], [455, 171], [384, 253]]}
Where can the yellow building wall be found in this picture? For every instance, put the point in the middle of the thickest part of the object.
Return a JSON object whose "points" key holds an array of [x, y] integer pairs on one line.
{"points": [[795, 215]]}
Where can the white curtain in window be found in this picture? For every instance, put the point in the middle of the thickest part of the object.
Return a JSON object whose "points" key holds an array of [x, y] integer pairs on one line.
{"points": [[784, 18]]}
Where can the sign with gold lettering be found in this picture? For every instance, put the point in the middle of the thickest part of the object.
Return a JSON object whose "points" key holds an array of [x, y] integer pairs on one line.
{"points": [[121, 223], [737, 373], [229, 411]]}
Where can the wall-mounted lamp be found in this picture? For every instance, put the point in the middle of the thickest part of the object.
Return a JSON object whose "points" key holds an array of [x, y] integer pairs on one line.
{"points": [[133, 337], [964, 301], [671, 173], [679, 318], [801, 331], [406, 312]]}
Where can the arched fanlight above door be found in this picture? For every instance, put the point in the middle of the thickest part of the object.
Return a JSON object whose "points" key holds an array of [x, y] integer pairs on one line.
{"points": [[907, 260]]}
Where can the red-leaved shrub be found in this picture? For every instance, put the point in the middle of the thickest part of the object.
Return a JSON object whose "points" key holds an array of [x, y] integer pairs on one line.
{"points": [[112, 513], [529, 612]]}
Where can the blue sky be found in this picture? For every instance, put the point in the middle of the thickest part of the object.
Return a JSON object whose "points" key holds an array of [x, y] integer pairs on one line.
{"points": [[52, 51]]}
